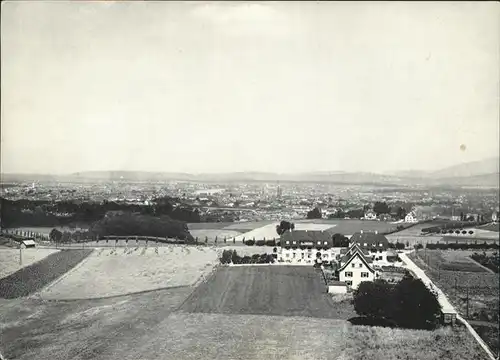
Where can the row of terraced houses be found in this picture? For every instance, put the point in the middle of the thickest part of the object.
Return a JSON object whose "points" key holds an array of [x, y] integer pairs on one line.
{"points": [[355, 264]]}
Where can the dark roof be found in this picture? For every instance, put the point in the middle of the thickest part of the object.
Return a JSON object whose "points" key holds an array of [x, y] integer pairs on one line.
{"points": [[371, 240], [355, 251], [307, 237]]}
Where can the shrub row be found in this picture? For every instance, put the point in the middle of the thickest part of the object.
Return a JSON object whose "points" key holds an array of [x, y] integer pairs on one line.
{"points": [[262, 242], [230, 256], [461, 246]]}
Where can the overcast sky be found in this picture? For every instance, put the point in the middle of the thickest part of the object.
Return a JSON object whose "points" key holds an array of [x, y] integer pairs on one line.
{"points": [[284, 87]]}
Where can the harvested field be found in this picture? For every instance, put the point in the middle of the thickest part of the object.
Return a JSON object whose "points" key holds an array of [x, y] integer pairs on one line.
{"points": [[34, 277], [452, 260], [268, 232], [110, 272], [248, 225], [9, 259], [209, 226], [267, 290], [202, 234]]}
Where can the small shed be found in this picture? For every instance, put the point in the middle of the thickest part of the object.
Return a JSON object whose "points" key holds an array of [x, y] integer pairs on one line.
{"points": [[337, 287], [27, 243]]}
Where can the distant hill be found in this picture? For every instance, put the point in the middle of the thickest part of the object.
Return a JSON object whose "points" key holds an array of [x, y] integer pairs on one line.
{"points": [[469, 169], [483, 173]]}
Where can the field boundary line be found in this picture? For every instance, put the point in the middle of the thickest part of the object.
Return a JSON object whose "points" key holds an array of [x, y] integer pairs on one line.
{"points": [[201, 280], [481, 265], [116, 296], [63, 276]]}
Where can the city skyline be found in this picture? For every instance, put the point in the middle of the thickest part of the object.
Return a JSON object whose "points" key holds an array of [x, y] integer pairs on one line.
{"points": [[227, 87]]}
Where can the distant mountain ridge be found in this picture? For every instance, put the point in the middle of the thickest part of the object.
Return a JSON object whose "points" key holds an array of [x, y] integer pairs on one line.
{"points": [[479, 173]]}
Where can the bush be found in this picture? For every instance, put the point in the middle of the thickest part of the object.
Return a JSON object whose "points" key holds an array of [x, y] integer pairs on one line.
{"points": [[270, 242], [260, 243], [227, 256], [250, 242], [409, 304]]}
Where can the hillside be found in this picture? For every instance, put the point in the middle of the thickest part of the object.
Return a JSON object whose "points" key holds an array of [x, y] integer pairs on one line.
{"points": [[477, 173], [469, 169]]}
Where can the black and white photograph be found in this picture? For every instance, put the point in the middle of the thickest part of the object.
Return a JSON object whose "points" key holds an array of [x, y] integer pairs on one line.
{"points": [[249, 180]]}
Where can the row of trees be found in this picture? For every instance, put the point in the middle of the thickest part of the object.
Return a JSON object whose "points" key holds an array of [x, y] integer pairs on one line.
{"points": [[230, 256], [461, 246], [408, 304]]}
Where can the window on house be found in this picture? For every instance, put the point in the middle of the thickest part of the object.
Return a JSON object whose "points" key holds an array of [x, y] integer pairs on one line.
{"points": [[303, 255], [348, 274], [360, 265], [353, 265], [349, 283], [309, 256], [380, 251], [288, 241], [364, 244], [325, 255], [380, 245], [295, 242], [364, 274], [319, 242], [293, 255]]}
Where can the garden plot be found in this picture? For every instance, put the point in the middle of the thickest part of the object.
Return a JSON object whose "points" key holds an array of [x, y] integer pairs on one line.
{"points": [[9, 259], [268, 232], [112, 272]]}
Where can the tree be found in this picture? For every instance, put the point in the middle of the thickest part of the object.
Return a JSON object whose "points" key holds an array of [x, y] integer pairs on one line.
{"points": [[415, 306], [381, 208], [284, 226], [400, 213], [55, 235], [226, 256], [314, 214], [462, 218], [373, 299], [340, 240]]}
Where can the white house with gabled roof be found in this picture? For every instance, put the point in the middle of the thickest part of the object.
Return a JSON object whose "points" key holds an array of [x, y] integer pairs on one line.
{"points": [[356, 267]]}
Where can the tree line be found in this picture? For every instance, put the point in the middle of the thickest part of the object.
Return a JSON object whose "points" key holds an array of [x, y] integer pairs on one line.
{"points": [[25, 212]]}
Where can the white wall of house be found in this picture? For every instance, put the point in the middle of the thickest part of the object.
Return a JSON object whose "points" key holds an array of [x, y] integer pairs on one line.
{"points": [[305, 256], [337, 289], [355, 273]]}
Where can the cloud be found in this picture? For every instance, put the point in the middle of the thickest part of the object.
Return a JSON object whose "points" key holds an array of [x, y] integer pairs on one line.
{"points": [[244, 19]]}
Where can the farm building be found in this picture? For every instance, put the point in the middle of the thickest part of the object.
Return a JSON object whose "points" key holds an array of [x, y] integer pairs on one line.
{"points": [[356, 267], [370, 215], [306, 246], [411, 217], [28, 243], [337, 287]]}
